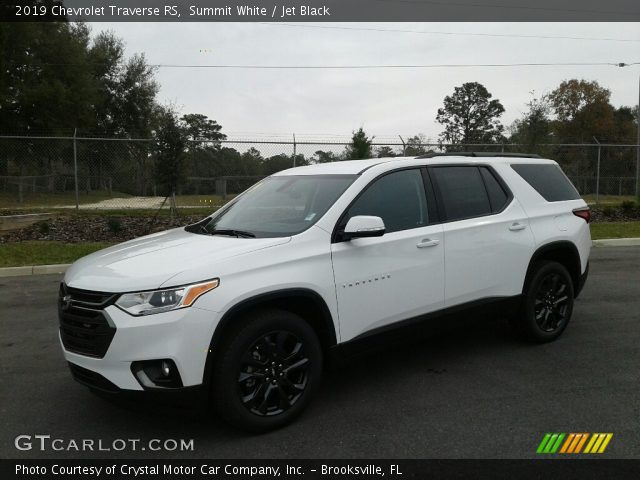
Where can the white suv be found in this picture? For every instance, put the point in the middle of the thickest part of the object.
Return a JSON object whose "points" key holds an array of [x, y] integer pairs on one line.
{"points": [[248, 302]]}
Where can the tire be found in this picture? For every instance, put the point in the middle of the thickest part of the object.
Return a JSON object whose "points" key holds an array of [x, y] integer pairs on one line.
{"points": [[547, 303], [267, 370]]}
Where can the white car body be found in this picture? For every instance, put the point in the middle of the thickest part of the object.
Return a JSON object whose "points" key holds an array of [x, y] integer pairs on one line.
{"points": [[366, 283]]}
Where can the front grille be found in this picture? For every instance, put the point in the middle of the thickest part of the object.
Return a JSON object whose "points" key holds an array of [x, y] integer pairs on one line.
{"points": [[91, 379], [84, 328]]}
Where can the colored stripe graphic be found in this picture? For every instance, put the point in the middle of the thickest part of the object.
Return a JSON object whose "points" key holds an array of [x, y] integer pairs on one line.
{"points": [[581, 443], [550, 443], [598, 443], [573, 443], [567, 443]]}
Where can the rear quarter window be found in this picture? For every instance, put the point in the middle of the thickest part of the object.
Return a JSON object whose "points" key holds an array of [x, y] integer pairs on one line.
{"points": [[548, 180]]}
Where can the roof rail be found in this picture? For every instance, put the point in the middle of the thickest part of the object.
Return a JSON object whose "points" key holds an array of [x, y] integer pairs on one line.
{"points": [[480, 154]]}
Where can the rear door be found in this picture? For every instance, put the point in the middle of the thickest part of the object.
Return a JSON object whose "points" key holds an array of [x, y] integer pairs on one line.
{"points": [[400, 275], [488, 240]]}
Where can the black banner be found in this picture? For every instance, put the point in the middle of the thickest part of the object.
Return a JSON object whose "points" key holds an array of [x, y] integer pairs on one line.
{"points": [[322, 10], [319, 469]]}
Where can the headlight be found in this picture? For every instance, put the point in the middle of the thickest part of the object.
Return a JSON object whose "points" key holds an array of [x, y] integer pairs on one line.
{"points": [[157, 301]]}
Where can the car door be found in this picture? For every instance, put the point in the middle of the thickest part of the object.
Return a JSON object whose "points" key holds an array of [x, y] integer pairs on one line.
{"points": [[488, 242], [399, 275]]}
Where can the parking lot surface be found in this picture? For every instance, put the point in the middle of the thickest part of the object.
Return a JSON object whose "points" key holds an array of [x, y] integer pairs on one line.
{"points": [[472, 391]]}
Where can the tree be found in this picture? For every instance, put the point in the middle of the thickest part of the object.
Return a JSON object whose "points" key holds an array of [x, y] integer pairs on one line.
{"points": [[470, 116], [574, 95], [360, 146], [385, 151], [324, 157], [251, 162], [169, 152], [201, 127], [535, 126], [415, 146], [276, 163]]}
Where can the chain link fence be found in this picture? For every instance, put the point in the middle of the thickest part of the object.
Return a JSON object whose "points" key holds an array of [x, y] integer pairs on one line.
{"points": [[110, 173]]}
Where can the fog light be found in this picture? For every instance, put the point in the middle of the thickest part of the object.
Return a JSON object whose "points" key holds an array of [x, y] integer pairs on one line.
{"points": [[157, 374], [166, 368]]}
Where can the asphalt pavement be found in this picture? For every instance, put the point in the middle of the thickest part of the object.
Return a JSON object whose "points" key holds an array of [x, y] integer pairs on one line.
{"points": [[472, 391]]}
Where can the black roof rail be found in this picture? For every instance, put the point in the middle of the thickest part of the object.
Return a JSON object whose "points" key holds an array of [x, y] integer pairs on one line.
{"points": [[480, 154]]}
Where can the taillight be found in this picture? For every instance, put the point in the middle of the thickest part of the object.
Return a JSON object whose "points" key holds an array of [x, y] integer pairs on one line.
{"points": [[583, 213]]}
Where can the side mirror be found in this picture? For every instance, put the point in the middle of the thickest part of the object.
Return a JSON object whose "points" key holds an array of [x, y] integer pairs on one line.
{"points": [[363, 226]]}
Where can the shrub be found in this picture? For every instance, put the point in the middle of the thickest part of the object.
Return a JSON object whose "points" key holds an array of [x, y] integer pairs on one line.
{"points": [[114, 224], [43, 228], [628, 207]]}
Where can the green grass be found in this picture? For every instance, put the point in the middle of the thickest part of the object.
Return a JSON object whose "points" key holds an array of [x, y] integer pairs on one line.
{"points": [[48, 201], [45, 253], [609, 199], [45, 200], [615, 230]]}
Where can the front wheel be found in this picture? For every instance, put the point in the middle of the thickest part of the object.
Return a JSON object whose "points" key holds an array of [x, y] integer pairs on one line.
{"points": [[547, 303], [267, 370]]}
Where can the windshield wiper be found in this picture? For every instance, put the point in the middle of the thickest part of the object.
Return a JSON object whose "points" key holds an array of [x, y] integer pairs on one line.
{"points": [[235, 233]]}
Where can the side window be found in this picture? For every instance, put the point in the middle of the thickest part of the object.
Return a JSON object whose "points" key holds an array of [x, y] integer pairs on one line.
{"points": [[398, 198], [497, 196], [548, 180], [463, 192]]}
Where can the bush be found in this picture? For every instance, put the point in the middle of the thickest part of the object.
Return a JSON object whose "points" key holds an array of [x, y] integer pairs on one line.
{"points": [[114, 224], [43, 228], [628, 207]]}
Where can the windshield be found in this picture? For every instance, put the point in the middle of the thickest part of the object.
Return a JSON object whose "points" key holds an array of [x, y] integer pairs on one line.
{"points": [[278, 206]]}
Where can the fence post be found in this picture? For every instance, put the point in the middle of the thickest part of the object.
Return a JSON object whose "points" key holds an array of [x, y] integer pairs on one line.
{"points": [[75, 167], [638, 146], [598, 172], [404, 146], [294, 150]]}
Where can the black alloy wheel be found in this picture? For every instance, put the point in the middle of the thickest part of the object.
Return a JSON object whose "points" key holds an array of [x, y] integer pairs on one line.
{"points": [[273, 373], [547, 303], [551, 302], [267, 368]]}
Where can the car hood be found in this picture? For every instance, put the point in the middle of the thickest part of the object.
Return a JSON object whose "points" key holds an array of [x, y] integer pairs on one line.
{"points": [[151, 261]]}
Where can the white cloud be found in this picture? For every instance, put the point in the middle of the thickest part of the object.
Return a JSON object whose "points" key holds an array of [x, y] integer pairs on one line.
{"points": [[385, 102]]}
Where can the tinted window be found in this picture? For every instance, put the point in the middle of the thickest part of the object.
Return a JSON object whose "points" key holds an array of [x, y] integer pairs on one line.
{"points": [[280, 206], [548, 180], [398, 198], [463, 192], [497, 195]]}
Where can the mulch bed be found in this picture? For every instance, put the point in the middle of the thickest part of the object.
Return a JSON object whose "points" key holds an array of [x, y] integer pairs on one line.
{"points": [[93, 228]]}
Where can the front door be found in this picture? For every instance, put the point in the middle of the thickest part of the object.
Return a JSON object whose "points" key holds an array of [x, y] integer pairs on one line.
{"points": [[399, 275]]}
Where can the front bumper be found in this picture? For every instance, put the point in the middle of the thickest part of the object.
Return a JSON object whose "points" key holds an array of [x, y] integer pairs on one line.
{"points": [[182, 335]]}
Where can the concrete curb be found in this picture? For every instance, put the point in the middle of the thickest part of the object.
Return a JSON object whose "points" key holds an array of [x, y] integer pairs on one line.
{"points": [[617, 242], [51, 269], [33, 270]]}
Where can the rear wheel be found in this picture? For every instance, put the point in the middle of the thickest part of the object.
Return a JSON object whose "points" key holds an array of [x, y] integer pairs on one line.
{"points": [[267, 370], [547, 303]]}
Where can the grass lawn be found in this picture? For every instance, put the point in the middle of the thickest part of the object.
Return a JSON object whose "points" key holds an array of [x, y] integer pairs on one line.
{"points": [[44, 253], [608, 199], [44, 200], [615, 230]]}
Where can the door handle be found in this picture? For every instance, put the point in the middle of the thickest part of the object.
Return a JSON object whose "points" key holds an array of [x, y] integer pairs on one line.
{"points": [[427, 242], [515, 226]]}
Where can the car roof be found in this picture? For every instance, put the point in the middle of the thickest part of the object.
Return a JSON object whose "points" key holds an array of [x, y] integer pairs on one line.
{"points": [[356, 167]]}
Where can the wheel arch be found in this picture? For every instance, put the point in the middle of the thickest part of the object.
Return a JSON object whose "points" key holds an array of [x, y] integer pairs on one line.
{"points": [[563, 252], [304, 302]]}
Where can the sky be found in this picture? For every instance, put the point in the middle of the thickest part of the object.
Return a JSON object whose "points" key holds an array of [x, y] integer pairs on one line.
{"points": [[313, 103]]}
